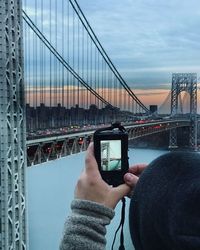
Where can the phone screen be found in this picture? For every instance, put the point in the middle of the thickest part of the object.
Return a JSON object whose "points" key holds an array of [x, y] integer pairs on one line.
{"points": [[110, 155]]}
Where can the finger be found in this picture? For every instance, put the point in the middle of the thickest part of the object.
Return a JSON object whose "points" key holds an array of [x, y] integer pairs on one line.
{"points": [[121, 191], [131, 179], [90, 149], [90, 161], [137, 169]]}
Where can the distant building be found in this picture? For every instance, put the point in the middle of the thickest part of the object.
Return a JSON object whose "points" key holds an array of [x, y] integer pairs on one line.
{"points": [[153, 108]]}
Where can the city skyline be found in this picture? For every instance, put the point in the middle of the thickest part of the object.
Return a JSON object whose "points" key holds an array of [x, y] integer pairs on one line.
{"points": [[148, 97]]}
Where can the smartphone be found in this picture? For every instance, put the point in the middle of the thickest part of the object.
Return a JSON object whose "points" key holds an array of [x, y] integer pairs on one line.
{"points": [[111, 153]]}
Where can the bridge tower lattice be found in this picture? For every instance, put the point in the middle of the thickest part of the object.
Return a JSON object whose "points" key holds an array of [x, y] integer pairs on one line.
{"points": [[184, 82], [13, 229]]}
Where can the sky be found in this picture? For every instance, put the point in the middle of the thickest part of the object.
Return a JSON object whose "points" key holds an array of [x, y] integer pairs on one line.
{"points": [[148, 40]]}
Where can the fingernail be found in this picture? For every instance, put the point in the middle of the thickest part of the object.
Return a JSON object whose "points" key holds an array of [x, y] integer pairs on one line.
{"points": [[129, 177]]}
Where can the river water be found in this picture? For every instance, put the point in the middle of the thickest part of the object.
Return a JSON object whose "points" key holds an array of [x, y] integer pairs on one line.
{"points": [[50, 188]]}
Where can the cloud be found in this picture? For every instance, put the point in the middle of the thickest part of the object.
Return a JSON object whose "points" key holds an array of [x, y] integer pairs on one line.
{"points": [[147, 40], [151, 93], [148, 36]]}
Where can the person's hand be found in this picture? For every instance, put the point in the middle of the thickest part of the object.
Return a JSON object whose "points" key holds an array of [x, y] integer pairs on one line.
{"points": [[131, 178], [91, 186]]}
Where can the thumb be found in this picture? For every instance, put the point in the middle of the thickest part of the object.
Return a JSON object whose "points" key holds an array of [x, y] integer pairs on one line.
{"points": [[121, 191], [131, 179]]}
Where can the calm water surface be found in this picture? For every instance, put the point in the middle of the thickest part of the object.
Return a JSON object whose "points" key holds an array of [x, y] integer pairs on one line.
{"points": [[50, 188]]}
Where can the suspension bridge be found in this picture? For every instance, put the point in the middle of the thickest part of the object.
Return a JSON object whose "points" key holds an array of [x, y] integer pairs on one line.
{"points": [[71, 83], [57, 86]]}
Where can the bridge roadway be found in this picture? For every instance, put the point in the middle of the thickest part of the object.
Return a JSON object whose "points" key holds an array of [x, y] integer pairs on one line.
{"points": [[47, 148]]}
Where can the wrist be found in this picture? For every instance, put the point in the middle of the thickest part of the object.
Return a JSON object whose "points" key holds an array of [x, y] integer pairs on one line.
{"points": [[91, 208]]}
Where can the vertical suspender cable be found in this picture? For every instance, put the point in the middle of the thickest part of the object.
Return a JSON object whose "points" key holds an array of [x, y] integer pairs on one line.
{"points": [[31, 96], [109, 86], [95, 82], [125, 100], [98, 69], [27, 56], [104, 82], [95, 58], [39, 60], [129, 104], [112, 89], [102, 78], [83, 76], [119, 95], [115, 90], [91, 80], [42, 55], [35, 58], [73, 63], [78, 58], [78, 70], [55, 61], [63, 37], [50, 73], [87, 70], [68, 76]]}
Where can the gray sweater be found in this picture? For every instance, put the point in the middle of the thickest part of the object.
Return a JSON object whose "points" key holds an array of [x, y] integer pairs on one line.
{"points": [[85, 228]]}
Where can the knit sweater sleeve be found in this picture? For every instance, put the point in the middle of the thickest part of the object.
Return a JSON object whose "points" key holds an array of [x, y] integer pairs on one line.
{"points": [[85, 228]]}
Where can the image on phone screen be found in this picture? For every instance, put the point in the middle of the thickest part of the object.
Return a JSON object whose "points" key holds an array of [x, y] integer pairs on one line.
{"points": [[111, 155]]}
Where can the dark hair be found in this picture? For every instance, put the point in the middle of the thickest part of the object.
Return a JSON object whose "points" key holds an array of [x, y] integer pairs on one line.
{"points": [[165, 207]]}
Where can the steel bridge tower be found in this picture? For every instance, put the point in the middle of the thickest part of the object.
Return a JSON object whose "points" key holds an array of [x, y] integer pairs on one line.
{"points": [[13, 234], [184, 82], [106, 147]]}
